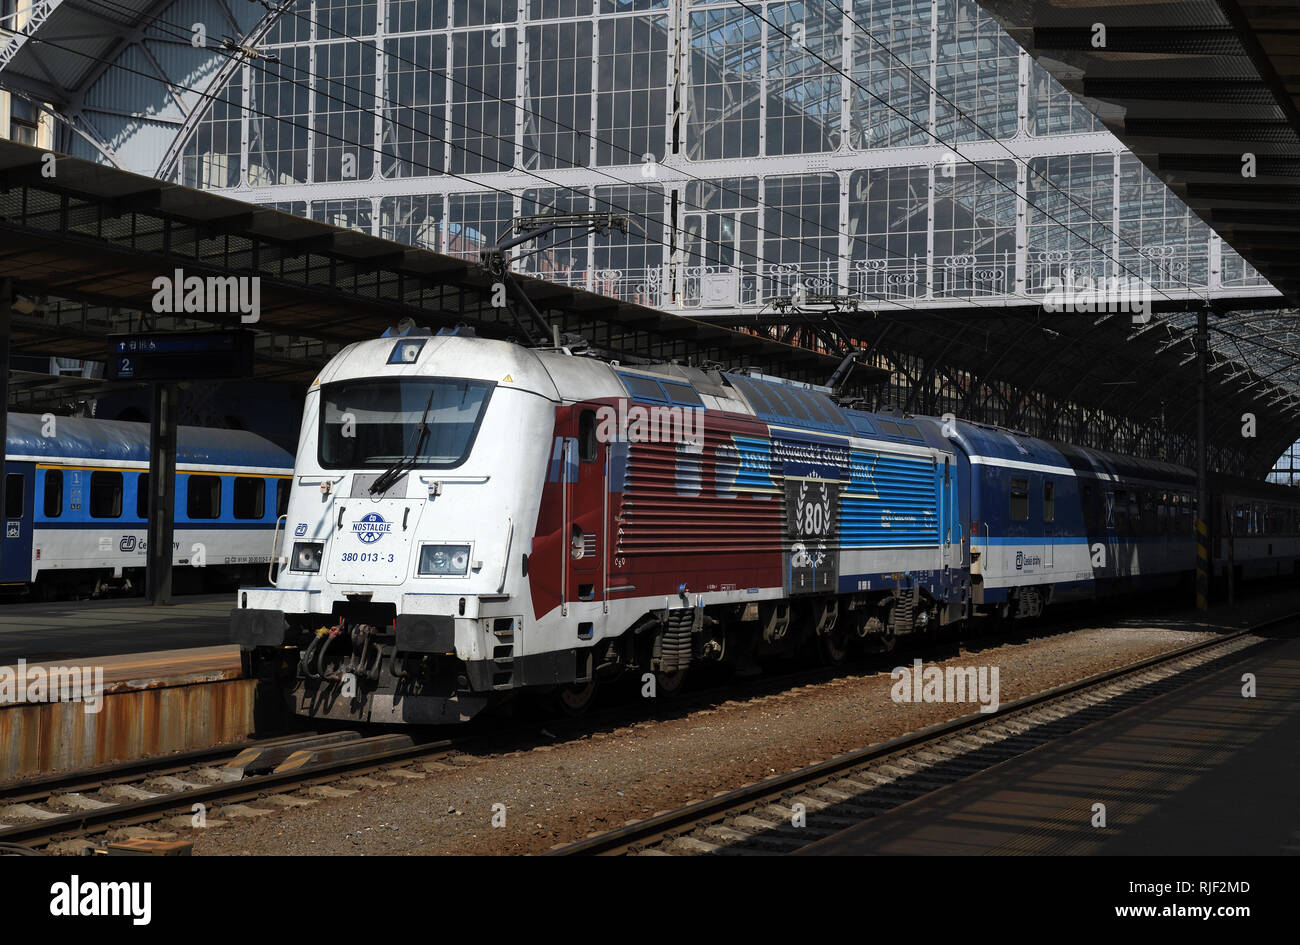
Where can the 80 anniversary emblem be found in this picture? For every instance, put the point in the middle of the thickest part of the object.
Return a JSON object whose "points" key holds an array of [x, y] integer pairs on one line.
{"points": [[370, 528]]}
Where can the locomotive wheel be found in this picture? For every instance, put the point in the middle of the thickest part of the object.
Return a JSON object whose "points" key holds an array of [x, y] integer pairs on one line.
{"points": [[574, 699], [883, 642], [833, 647], [668, 685], [888, 640]]}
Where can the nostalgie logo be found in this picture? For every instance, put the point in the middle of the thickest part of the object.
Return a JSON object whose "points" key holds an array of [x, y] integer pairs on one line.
{"points": [[370, 528]]}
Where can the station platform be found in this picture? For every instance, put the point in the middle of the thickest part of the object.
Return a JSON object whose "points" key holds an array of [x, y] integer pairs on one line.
{"points": [[92, 628], [121, 708], [1201, 770]]}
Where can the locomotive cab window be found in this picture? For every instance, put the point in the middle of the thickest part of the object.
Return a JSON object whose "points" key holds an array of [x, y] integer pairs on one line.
{"points": [[106, 495], [203, 497], [428, 423], [588, 446], [53, 500], [14, 495], [1020, 500], [249, 497]]}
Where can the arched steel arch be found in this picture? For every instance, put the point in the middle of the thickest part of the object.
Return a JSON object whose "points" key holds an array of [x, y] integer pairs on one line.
{"points": [[122, 88]]}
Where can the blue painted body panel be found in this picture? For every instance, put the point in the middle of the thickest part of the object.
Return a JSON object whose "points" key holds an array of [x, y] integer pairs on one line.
{"points": [[89, 441]]}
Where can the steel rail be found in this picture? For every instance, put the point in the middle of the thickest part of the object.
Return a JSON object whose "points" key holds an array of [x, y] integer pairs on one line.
{"points": [[671, 823]]}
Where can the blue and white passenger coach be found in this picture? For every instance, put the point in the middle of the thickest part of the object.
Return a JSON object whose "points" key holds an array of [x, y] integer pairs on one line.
{"points": [[76, 505]]}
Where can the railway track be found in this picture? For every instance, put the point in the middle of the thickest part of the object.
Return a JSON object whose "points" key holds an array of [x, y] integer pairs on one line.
{"points": [[63, 813], [76, 811], [785, 813]]}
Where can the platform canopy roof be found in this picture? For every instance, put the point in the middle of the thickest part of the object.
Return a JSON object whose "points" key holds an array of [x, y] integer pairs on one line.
{"points": [[99, 237], [84, 246], [1205, 92]]}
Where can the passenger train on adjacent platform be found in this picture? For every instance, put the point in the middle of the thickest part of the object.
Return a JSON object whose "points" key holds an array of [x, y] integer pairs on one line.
{"points": [[76, 506], [470, 518]]}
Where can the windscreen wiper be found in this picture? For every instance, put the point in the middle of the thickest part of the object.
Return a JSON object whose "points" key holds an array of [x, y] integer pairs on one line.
{"points": [[384, 481]]}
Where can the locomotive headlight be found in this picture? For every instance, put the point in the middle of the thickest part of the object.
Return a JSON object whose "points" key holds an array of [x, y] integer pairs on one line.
{"points": [[406, 351], [444, 559], [306, 556]]}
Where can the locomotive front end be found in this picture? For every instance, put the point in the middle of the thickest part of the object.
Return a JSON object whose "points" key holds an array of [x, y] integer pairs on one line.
{"points": [[405, 544]]}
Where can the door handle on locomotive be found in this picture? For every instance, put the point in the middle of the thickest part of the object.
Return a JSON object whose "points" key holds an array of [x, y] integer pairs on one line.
{"points": [[272, 577]]}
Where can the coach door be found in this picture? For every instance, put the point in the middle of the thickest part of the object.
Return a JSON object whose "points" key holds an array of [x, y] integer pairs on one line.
{"points": [[585, 514], [1049, 523], [948, 516], [16, 550]]}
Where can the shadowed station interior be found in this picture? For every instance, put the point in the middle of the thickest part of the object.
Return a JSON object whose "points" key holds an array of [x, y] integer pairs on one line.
{"points": [[866, 314]]}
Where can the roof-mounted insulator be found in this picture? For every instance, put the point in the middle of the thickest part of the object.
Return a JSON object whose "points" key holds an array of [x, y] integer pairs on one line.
{"points": [[248, 52]]}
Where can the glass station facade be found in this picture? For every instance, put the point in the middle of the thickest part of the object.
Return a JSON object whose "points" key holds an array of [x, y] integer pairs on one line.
{"points": [[759, 148]]}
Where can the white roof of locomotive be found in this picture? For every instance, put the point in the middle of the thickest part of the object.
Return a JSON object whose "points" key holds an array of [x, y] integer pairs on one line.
{"points": [[554, 374]]}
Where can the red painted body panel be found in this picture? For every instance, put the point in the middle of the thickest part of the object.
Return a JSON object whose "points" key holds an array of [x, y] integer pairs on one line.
{"points": [[667, 526]]}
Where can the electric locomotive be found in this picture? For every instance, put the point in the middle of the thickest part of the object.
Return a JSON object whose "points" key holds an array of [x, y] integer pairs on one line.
{"points": [[471, 518]]}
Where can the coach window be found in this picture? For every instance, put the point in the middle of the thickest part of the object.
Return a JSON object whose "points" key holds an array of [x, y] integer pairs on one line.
{"points": [[203, 497], [587, 446], [1020, 500], [53, 493], [282, 497], [142, 497], [14, 495], [250, 497], [106, 495], [1049, 501]]}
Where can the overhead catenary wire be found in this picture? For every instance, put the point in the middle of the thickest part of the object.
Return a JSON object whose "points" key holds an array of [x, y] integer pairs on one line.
{"points": [[669, 224], [710, 181], [974, 164], [182, 32]]}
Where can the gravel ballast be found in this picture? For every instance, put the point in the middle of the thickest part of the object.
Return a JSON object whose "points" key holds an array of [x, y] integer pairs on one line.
{"points": [[565, 790]]}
